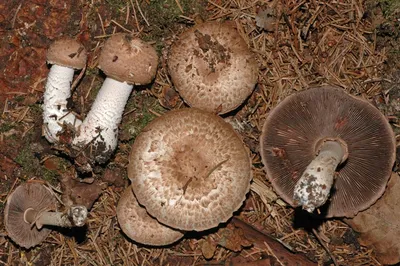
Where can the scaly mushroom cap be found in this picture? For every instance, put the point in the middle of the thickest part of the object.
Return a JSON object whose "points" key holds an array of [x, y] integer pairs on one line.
{"points": [[212, 67], [190, 169], [67, 52], [28, 195], [128, 59], [139, 226], [298, 125]]}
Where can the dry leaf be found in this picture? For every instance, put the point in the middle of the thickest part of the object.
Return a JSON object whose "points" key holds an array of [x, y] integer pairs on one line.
{"points": [[233, 238], [379, 226], [266, 19], [208, 248]]}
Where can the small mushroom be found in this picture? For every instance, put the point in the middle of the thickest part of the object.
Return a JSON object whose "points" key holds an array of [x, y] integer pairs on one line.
{"points": [[33, 204], [66, 55], [126, 61], [323, 143], [139, 226], [212, 67], [190, 169]]}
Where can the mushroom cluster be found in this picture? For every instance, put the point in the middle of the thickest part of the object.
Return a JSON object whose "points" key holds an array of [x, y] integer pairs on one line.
{"points": [[190, 170], [324, 148], [30, 210], [212, 67], [127, 61]]}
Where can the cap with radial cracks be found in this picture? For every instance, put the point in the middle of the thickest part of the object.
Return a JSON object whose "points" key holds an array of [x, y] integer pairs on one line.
{"points": [[192, 175], [139, 226], [212, 67]]}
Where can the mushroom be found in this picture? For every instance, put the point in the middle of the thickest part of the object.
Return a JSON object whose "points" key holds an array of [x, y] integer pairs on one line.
{"points": [[212, 67], [32, 204], [189, 169], [126, 61], [139, 226], [66, 55], [323, 143]]}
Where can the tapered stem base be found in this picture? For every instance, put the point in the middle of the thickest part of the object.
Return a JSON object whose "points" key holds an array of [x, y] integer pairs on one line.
{"points": [[314, 186]]}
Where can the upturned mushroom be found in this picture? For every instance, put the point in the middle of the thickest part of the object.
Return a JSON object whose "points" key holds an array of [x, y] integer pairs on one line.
{"points": [[30, 209], [190, 169], [126, 61], [66, 55], [212, 67], [139, 226], [323, 144]]}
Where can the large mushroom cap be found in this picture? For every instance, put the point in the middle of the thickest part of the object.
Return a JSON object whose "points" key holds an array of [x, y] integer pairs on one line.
{"points": [[28, 195], [189, 169], [67, 52], [128, 59], [139, 226], [212, 67], [295, 128]]}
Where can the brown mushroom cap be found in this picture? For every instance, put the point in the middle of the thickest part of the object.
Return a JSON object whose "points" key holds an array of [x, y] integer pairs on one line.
{"points": [[67, 52], [28, 195], [295, 128], [128, 59], [212, 67], [190, 169], [139, 226]]}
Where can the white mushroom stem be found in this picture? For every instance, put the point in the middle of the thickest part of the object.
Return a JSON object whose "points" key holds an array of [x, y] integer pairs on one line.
{"points": [[101, 123], [314, 186], [55, 111], [75, 216]]}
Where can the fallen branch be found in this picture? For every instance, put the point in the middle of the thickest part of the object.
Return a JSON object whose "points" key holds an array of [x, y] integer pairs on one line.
{"points": [[261, 240]]}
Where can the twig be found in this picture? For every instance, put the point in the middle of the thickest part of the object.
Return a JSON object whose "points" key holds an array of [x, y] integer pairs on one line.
{"points": [[325, 246], [141, 13], [78, 78], [179, 6], [15, 16]]}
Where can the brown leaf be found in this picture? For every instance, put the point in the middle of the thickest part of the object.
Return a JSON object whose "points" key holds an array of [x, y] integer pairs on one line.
{"points": [[379, 226], [266, 19], [170, 97], [233, 238], [79, 193], [208, 248]]}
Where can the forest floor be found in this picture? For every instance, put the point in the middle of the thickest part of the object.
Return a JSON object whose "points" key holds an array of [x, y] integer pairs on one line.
{"points": [[351, 44]]}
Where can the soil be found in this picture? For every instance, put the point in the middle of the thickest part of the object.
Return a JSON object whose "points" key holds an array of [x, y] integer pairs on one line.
{"points": [[27, 29]]}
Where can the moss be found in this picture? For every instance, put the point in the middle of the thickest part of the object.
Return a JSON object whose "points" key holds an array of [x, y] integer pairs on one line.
{"points": [[5, 127], [36, 110], [19, 98], [168, 14], [134, 127], [390, 7], [116, 5], [49, 176], [133, 124], [24, 158], [31, 166]]}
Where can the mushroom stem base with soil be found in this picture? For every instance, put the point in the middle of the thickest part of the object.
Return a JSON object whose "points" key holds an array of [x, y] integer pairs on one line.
{"points": [[55, 111], [75, 216], [100, 127], [314, 186]]}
